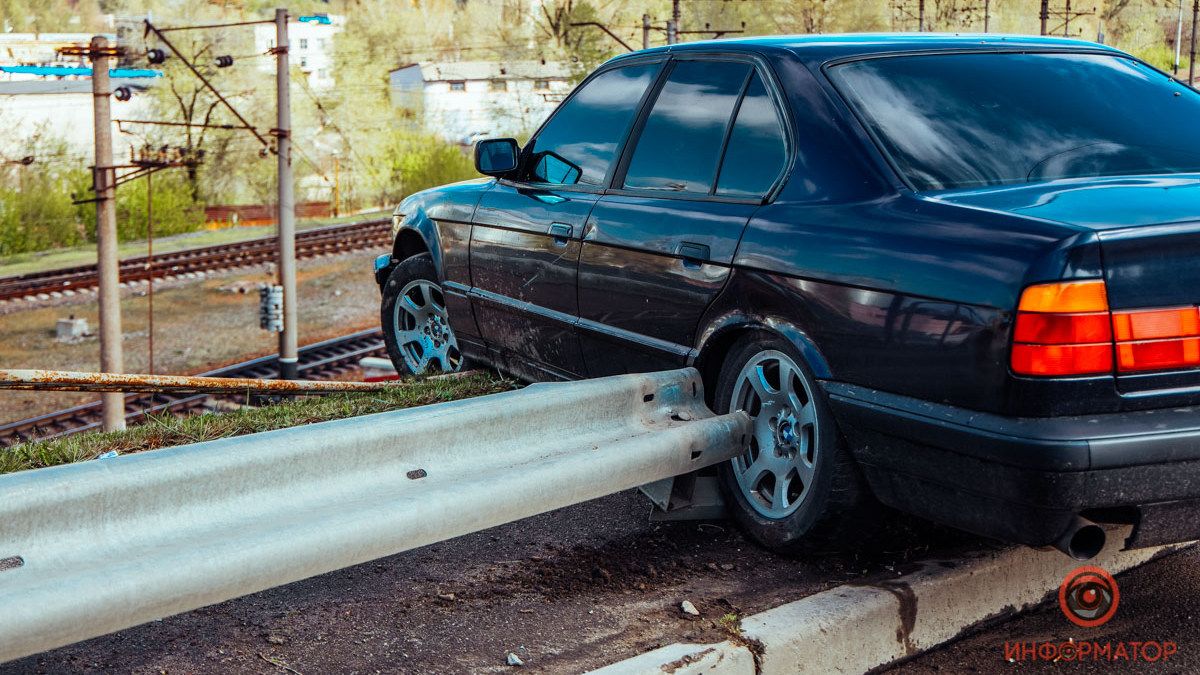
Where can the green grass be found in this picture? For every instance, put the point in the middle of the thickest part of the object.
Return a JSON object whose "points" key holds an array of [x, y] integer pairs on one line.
{"points": [[39, 261], [167, 431]]}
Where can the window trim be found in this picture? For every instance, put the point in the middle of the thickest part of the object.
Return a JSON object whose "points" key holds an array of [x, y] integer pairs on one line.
{"points": [[759, 66], [617, 185], [526, 152], [881, 148]]}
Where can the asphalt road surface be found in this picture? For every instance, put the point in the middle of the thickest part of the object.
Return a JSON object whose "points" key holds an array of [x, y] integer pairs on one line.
{"points": [[1157, 604]]}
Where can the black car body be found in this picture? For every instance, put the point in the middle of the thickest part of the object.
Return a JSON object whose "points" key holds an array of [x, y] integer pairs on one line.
{"points": [[881, 231]]}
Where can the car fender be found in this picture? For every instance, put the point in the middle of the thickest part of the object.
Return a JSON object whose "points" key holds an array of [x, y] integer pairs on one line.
{"points": [[717, 329], [414, 225]]}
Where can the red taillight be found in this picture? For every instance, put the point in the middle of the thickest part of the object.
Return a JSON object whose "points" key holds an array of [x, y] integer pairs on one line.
{"points": [[1061, 359], [1157, 339], [1158, 354], [1156, 324], [1063, 328]]}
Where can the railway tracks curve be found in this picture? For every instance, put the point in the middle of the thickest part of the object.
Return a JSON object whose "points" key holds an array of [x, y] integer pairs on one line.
{"points": [[309, 243]]}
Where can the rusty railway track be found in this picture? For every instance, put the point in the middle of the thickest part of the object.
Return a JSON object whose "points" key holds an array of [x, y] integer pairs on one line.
{"points": [[309, 243], [317, 361]]}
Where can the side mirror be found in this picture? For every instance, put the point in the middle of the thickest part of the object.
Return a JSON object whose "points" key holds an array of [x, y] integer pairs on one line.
{"points": [[496, 156]]}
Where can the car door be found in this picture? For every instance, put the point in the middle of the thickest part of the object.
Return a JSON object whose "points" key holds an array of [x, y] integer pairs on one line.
{"points": [[659, 245], [527, 231]]}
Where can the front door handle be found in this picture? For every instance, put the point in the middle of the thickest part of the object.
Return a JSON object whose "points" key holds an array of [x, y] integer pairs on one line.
{"points": [[561, 234], [693, 255]]}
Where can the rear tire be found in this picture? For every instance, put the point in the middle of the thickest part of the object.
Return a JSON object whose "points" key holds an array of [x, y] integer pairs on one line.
{"points": [[416, 326], [796, 490]]}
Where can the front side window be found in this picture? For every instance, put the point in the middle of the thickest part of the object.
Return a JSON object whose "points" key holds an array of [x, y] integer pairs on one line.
{"points": [[757, 149], [581, 140], [969, 120], [680, 145]]}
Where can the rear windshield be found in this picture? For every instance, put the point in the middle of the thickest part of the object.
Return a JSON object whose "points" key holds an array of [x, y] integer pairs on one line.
{"points": [[966, 120]]}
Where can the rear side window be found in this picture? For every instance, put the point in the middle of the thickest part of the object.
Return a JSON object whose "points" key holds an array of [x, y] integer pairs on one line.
{"points": [[960, 121], [757, 147], [680, 145], [579, 143]]}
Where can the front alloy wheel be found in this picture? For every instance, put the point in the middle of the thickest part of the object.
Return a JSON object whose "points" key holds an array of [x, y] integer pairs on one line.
{"points": [[416, 324], [423, 328]]}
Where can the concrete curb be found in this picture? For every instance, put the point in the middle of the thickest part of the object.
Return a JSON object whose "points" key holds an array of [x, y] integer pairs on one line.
{"points": [[854, 628]]}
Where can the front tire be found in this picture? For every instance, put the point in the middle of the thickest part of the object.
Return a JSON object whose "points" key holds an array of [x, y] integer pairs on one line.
{"points": [[796, 489], [416, 325]]}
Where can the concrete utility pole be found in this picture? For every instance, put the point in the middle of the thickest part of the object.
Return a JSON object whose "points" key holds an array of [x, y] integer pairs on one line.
{"points": [[987, 15], [1192, 61], [673, 23], [337, 184], [288, 342], [1045, 16], [108, 265], [646, 30], [1179, 40]]}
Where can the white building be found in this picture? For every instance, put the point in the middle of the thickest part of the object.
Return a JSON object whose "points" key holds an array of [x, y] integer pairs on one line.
{"points": [[39, 49], [62, 109], [463, 101], [311, 46]]}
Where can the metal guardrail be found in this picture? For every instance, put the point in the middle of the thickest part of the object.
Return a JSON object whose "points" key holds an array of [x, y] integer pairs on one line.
{"points": [[99, 546]]}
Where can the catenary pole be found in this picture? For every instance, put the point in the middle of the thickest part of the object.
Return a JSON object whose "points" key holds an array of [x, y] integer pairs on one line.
{"points": [[1179, 39], [1192, 57], [288, 342], [107, 263]]}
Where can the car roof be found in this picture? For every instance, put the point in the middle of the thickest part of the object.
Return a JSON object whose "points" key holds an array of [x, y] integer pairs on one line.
{"points": [[817, 49]]}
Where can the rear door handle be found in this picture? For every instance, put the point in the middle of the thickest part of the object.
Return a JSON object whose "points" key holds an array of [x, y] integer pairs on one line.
{"points": [[693, 255], [561, 234]]}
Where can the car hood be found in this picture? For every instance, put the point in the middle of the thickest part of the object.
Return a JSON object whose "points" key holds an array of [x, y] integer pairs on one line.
{"points": [[1095, 203]]}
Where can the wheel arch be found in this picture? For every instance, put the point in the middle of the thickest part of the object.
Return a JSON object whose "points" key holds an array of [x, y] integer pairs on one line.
{"points": [[418, 235], [721, 334]]}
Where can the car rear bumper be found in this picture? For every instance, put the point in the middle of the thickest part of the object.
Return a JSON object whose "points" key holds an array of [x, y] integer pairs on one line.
{"points": [[1025, 479]]}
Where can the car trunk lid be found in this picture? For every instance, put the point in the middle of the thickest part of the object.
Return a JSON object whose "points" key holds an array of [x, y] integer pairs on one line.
{"points": [[1149, 234]]}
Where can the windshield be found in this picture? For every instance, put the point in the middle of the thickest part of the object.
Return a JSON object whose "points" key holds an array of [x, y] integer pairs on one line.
{"points": [[967, 120]]}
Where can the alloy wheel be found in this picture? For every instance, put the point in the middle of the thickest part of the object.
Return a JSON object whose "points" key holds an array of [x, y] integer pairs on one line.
{"points": [[777, 470], [423, 331]]}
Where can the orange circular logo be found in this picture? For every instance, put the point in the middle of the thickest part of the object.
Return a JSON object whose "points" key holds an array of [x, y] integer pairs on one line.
{"points": [[1089, 596]]}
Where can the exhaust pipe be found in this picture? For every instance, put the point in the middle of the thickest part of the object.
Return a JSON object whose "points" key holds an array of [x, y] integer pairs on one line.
{"points": [[1082, 540]]}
